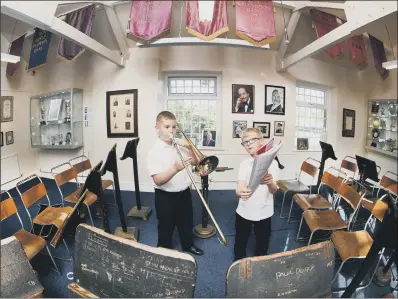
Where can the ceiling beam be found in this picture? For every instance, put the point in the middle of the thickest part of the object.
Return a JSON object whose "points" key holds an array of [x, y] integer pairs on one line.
{"points": [[360, 16], [117, 31], [319, 4], [291, 27], [43, 17]]}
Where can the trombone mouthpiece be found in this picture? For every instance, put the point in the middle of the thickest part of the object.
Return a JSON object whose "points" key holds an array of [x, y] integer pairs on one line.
{"points": [[171, 137]]}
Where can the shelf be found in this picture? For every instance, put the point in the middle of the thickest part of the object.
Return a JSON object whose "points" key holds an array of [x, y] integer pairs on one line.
{"points": [[374, 149], [56, 146], [51, 124]]}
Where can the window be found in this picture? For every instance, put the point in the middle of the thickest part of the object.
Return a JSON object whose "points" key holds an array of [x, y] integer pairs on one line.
{"points": [[194, 101], [311, 112]]}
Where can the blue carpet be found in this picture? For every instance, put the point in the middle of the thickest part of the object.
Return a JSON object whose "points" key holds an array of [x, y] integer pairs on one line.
{"points": [[212, 266]]}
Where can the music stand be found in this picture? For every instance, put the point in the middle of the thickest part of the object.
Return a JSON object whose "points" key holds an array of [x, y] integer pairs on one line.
{"points": [[138, 211], [206, 230], [327, 152], [131, 233], [367, 170]]}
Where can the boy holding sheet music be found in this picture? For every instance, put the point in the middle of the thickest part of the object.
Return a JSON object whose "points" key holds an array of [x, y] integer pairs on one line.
{"points": [[256, 207]]}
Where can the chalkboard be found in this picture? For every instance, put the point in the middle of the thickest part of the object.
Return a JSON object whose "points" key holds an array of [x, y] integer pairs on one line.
{"points": [[304, 272], [110, 266], [18, 279], [39, 51]]}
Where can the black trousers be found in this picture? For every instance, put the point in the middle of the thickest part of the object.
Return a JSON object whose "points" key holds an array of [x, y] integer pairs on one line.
{"points": [[174, 209], [262, 232]]}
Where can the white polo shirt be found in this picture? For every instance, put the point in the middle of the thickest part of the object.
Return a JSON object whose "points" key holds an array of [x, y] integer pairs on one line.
{"points": [[261, 203], [160, 158]]}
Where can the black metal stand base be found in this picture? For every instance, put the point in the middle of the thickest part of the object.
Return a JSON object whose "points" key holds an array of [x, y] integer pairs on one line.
{"points": [[204, 232], [382, 279], [131, 234], [143, 214]]}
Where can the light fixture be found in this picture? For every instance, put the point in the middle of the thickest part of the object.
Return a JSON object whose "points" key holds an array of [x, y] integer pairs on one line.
{"points": [[389, 65], [10, 58]]}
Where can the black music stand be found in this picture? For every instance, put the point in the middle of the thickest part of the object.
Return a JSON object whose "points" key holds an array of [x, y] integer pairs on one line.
{"points": [[206, 230], [131, 233], [367, 170], [327, 152], [138, 211]]}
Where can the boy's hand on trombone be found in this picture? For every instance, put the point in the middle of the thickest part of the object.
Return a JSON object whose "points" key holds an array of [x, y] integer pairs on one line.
{"points": [[245, 193], [268, 179], [179, 165]]}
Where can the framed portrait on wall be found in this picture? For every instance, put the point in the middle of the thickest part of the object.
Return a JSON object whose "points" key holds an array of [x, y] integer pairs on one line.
{"points": [[279, 128], [264, 127], [243, 98], [302, 144], [7, 108], [348, 123], [238, 126], [209, 138], [9, 137], [2, 142], [274, 100], [121, 113]]}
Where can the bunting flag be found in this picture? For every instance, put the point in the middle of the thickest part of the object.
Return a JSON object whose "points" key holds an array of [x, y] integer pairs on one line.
{"points": [[325, 23], [379, 56], [206, 19], [255, 22], [356, 47], [81, 19], [40, 46], [15, 49], [149, 20]]}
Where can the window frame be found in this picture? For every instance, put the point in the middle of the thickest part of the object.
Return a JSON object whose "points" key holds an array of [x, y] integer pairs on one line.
{"points": [[217, 97]]}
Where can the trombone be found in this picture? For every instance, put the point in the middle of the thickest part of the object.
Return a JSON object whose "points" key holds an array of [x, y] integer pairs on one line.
{"points": [[205, 166]]}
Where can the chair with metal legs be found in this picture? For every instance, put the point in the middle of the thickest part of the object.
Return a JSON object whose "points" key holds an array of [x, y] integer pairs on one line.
{"points": [[70, 175], [85, 166], [317, 201], [32, 244], [296, 185], [350, 167], [330, 220], [356, 245]]}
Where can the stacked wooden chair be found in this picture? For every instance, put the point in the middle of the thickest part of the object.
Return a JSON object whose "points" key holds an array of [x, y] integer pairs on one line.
{"points": [[349, 166], [296, 185]]}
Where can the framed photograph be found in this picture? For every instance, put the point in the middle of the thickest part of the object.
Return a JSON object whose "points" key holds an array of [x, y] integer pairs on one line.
{"points": [[243, 98], [122, 113], [238, 126], [2, 142], [279, 128], [209, 138], [9, 137], [264, 127], [348, 123], [53, 111], [274, 100], [7, 108], [302, 144], [375, 108]]}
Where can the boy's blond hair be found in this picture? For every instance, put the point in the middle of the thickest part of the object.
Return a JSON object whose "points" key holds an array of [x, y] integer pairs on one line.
{"points": [[165, 115], [250, 130]]}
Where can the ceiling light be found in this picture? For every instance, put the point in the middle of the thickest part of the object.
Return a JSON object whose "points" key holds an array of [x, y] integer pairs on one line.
{"points": [[10, 58], [389, 65]]}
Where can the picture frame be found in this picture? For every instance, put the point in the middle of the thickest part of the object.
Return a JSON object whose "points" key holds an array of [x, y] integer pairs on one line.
{"points": [[238, 126], [122, 113], [2, 140], [242, 93], [264, 127], [9, 137], [302, 144], [275, 99], [348, 123], [7, 108], [209, 138], [279, 128]]}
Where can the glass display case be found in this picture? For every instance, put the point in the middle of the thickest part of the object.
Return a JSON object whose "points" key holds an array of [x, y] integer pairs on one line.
{"points": [[56, 119], [382, 127]]}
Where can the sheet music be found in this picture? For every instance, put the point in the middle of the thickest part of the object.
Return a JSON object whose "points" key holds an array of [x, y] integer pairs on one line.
{"points": [[260, 166]]}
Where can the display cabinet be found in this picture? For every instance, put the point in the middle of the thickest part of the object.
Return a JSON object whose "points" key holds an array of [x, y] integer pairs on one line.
{"points": [[56, 119], [382, 127]]}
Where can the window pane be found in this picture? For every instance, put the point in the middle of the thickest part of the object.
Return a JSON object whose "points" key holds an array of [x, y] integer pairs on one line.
{"points": [[196, 82], [313, 112], [171, 105], [196, 89], [307, 122], [188, 89], [313, 93], [212, 105], [319, 101], [204, 89], [180, 89], [307, 112], [301, 98], [307, 92], [211, 89], [301, 121], [173, 90], [319, 113], [187, 104], [188, 83], [308, 99], [211, 83], [302, 111], [301, 90], [195, 105], [204, 105], [180, 83]]}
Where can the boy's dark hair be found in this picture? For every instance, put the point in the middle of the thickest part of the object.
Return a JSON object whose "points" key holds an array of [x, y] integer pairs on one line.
{"points": [[165, 115]]}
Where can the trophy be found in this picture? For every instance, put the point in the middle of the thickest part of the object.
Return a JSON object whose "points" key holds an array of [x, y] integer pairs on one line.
{"points": [[67, 108], [52, 140], [60, 138], [68, 138], [42, 115]]}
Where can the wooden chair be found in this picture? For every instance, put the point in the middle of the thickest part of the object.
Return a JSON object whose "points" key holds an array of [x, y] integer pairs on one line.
{"points": [[330, 220], [85, 165], [296, 185], [356, 245], [67, 176], [317, 201], [31, 243], [349, 165]]}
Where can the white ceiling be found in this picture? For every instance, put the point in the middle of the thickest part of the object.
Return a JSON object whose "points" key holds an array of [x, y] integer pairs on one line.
{"points": [[303, 36]]}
